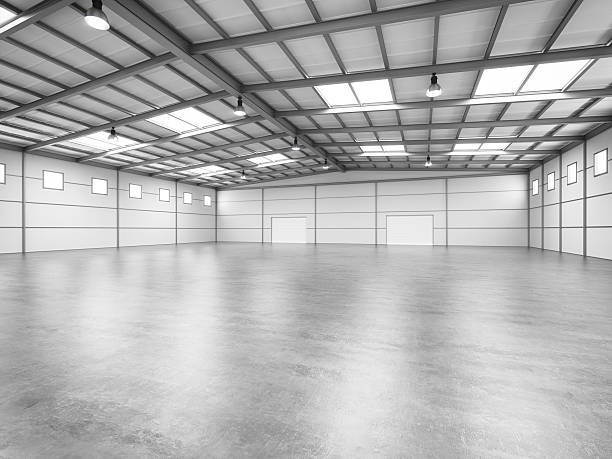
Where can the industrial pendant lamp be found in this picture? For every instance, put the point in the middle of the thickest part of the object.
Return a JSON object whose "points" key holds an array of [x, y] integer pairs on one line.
{"points": [[325, 165], [112, 136], [95, 17], [428, 163], [243, 176], [434, 89], [295, 146], [239, 110]]}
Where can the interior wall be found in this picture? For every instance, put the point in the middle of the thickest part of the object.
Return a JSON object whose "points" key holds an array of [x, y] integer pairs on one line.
{"points": [[574, 218], [76, 218], [466, 210]]}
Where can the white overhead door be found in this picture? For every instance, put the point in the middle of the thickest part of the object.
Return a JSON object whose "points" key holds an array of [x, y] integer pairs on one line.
{"points": [[289, 230], [410, 229]]}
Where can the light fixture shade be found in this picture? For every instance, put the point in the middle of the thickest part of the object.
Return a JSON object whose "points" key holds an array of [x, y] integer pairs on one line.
{"points": [[428, 163], [112, 135], [295, 146], [434, 89], [96, 18], [325, 165], [239, 110], [243, 176]]}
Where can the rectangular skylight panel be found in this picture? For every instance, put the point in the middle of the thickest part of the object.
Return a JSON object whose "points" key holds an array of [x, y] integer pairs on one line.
{"points": [[171, 123], [506, 80], [195, 117], [370, 148], [466, 146], [88, 141], [207, 171], [337, 95], [553, 76], [494, 146], [393, 148], [373, 92], [5, 15], [384, 153], [268, 159], [276, 163]]}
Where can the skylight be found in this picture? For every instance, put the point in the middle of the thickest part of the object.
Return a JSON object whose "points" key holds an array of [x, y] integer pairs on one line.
{"points": [[373, 92], [336, 95], [207, 171], [467, 146], [5, 15], [384, 150], [553, 76], [100, 141], [184, 120], [358, 93], [494, 146], [271, 160], [371, 148], [505, 80]]}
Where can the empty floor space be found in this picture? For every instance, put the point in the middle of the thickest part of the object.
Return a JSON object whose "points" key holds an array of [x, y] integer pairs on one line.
{"points": [[250, 350]]}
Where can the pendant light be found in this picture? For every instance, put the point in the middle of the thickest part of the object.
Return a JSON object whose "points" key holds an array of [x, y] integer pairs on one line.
{"points": [[428, 163], [243, 176], [112, 136], [434, 89], [95, 17], [239, 110], [295, 146], [325, 165]]}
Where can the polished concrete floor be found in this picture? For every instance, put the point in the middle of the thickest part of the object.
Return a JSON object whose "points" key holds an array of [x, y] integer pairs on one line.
{"points": [[240, 350]]}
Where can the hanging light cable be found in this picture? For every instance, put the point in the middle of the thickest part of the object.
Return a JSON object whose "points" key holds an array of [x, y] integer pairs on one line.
{"points": [[95, 17], [239, 110], [295, 146], [112, 135], [434, 89]]}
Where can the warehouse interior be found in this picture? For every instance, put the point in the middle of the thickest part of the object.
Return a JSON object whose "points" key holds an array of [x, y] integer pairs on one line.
{"points": [[305, 228]]}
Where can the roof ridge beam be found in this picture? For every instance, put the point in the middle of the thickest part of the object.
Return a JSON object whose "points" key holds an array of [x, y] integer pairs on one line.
{"points": [[407, 13], [559, 138], [591, 52]]}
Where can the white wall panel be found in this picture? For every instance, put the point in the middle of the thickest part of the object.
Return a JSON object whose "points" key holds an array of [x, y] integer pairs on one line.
{"points": [[151, 236], [487, 219], [10, 240], [10, 214], [46, 215], [439, 217], [345, 236], [189, 235], [551, 216], [346, 204], [195, 221], [239, 235], [551, 239], [414, 187], [239, 207], [335, 191], [239, 195], [310, 219], [238, 221], [535, 238], [44, 239], [298, 192], [572, 213], [487, 200], [146, 219], [477, 184], [572, 240], [429, 202], [599, 242], [488, 237], [355, 220], [289, 206], [599, 210]]}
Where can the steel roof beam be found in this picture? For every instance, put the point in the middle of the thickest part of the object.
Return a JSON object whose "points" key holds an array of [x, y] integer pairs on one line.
{"points": [[90, 85], [392, 16], [131, 119], [459, 125], [469, 153], [471, 101], [139, 16], [592, 52], [204, 151], [32, 16]]}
